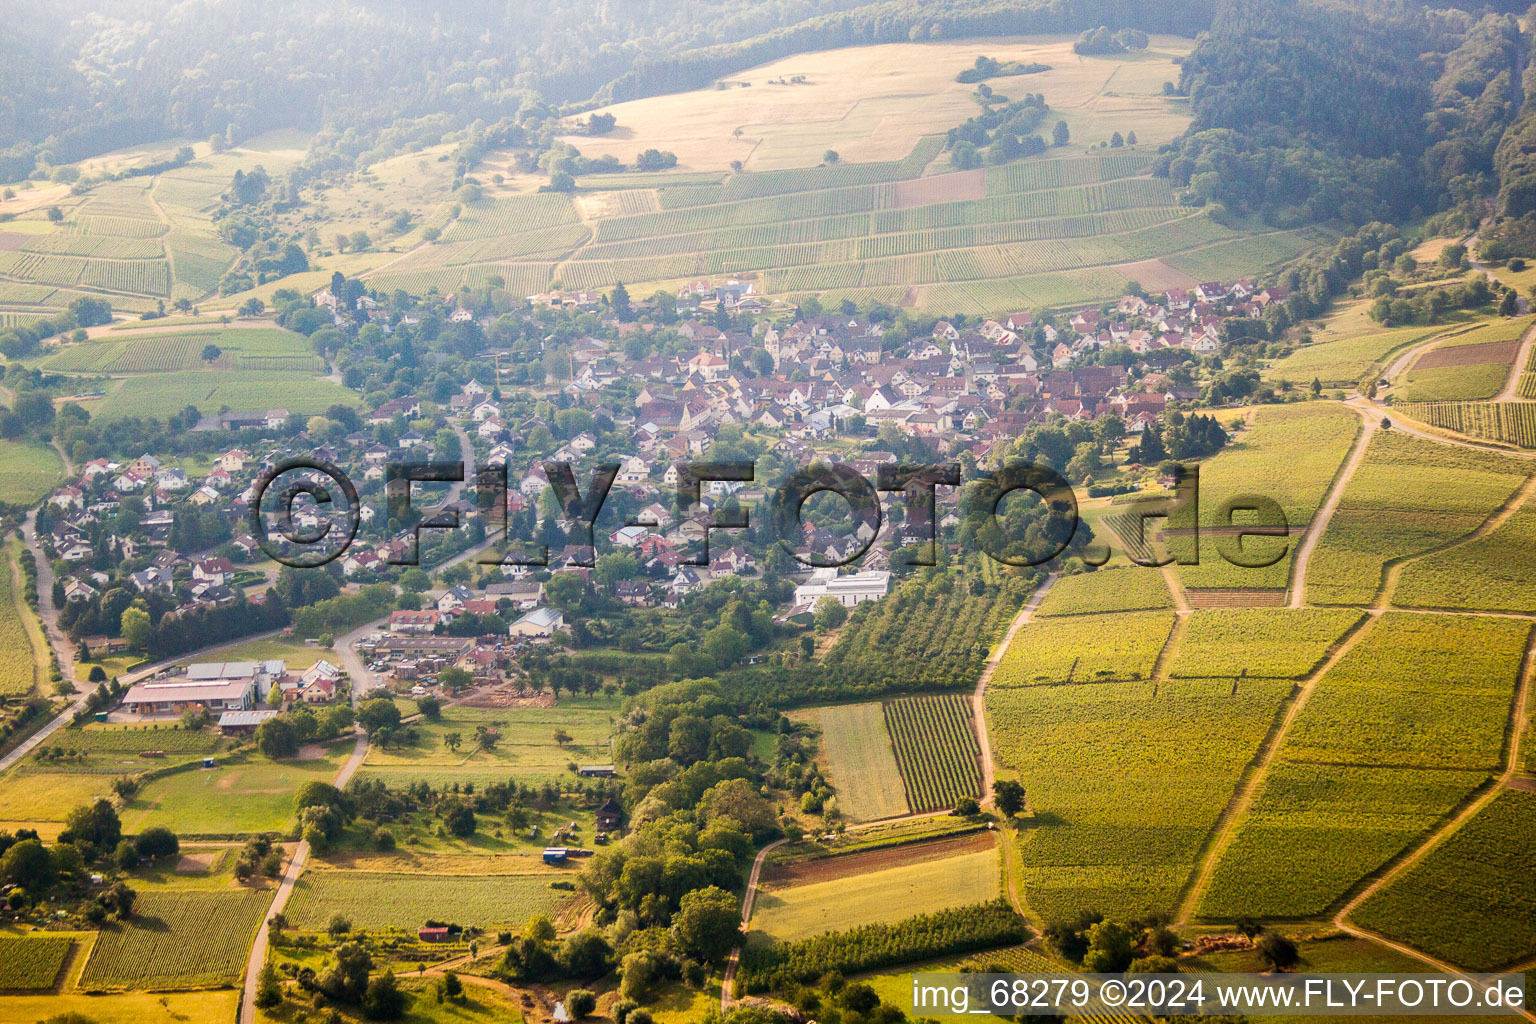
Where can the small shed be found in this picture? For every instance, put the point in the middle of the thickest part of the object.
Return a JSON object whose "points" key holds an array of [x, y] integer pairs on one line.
{"points": [[426, 934], [609, 815], [555, 854], [596, 771]]}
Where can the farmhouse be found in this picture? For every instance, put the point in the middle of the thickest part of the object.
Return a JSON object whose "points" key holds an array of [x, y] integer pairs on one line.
{"points": [[451, 647], [211, 686]]}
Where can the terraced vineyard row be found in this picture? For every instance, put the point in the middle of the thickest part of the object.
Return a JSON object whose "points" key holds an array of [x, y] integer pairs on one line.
{"points": [[1510, 422], [935, 749]]}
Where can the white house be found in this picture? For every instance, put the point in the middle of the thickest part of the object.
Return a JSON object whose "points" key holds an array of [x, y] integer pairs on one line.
{"points": [[850, 590]]}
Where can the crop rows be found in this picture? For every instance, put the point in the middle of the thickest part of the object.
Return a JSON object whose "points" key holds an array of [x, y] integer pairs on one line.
{"points": [[1418, 691], [767, 183], [145, 277], [1510, 422], [1317, 829], [1470, 900], [30, 963], [1122, 194], [18, 668], [1386, 513], [1296, 451], [1281, 643], [122, 227], [930, 632], [65, 243], [771, 210], [511, 215], [177, 940], [1130, 778], [1084, 649], [1033, 175], [555, 240], [1495, 573], [935, 748], [1107, 590]]}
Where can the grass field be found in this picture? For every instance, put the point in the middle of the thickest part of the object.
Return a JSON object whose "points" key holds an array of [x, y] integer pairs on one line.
{"points": [[35, 795], [28, 472], [935, 745], [1084, 649], [177, 940], [1469, 365], [158, 394], [1136, 588], [248, 794], [885, 896], [214, 1006], [1345, 348], [32, 961], [1126, 780], [860, 761], [1469, 901], [1386, 513], [526, 746], [246, 348], [375, 900], [1289, 455]]}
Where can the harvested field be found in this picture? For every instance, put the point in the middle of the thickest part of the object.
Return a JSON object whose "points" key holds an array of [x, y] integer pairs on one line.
{"points": [[1155, 275], [1469, 355], [846, 865], [12, 241], [941, 188]]}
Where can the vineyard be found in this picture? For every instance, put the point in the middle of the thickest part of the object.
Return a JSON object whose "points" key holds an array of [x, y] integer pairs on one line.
{"points": [[29, 963], [1397, 734], [245, 391], [1478, 883], [767, 967], [374, 900], [1290, 455], [1044, 230], [1509, 422], [18, 669], [242, 349], [177, 940], [1133, 775], [1495, 573], [1386, 513], [1084, 649], [1278, 643], [1317, 829], [935, 747], [1106, 590], [1422, 691]]}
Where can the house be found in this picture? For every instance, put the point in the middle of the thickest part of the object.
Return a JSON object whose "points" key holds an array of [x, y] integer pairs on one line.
{"points": [[541, 622], [417, 622], [217, 571], [429, 933], [610, 814], [453, 599]]}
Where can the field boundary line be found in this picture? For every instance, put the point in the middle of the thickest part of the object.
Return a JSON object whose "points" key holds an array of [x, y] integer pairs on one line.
{"points": [[1318, 523], [979, 697], [1511, 390], [728, 980], [1257, 773], [1392, 572], [1514, 732]]}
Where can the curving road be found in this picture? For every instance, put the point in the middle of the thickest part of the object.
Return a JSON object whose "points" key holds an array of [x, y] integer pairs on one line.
{"points": [[728, 981]]}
